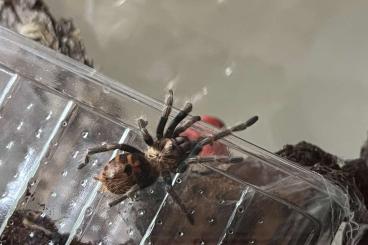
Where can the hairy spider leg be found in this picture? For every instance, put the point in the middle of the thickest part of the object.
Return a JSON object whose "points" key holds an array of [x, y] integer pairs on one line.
{"points": [[177, 119], [212, 138], [130, 193], [109, 147], [186, 125], [146, 135], [226, 132], [165, 115], [170, 190]]}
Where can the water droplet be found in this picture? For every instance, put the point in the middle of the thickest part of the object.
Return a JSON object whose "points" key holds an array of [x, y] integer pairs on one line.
{"points": [[151, 191], [260, 221], [251, 242], [64, 173], [29, 106], [20, 125], [64, 124], [104, 143], [33, 183], [4, 194], [89, 211], [159, 222], [38, 133], [201, 192], [51, 243], [202, 242], [136, 197], [78, 231], [211, 220], [62, 225], [31, 235], [150, 242], [11, 222], [94, 163], [53, 194], [1, 162], [48, 117], [130, 232], [84, 183], [180, 233], [192, 211], [100, 243], [45, 162], [10, 145], [231, 231], [141, 212], [75, 154], [110, 223], [228, 71], [9, 97], [56, 144], [84, 134], [241, 210], [222, 201], [43, 215], [15, 175], [178, 180]]}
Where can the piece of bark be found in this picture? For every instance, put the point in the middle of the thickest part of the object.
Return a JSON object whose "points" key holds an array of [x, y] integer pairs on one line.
{"points": [[32, 18]]}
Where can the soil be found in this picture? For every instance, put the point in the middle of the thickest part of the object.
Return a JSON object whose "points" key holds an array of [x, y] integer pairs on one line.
{"points": [[351, 176], [30, 227]]}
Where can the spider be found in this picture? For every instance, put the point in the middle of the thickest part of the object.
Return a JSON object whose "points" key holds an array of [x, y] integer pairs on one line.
{"points": [[168, 154]]}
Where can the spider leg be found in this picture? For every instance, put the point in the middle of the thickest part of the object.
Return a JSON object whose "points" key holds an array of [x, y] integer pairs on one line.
{"points": [[210, 139], [132, 190], [186, 125], [178, 118], [165, 115], [146, 136], [169, 189], [212, 159], [109, 147]]}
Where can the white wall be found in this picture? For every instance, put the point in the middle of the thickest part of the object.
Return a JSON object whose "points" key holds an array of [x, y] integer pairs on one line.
{"points": [[301, 65]]}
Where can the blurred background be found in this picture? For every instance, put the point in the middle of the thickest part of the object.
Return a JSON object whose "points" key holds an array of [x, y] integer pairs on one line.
{"points": [[299, 64]]}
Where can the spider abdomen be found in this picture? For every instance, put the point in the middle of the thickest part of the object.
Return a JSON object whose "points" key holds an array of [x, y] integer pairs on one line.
{"points": [[125, 171]]}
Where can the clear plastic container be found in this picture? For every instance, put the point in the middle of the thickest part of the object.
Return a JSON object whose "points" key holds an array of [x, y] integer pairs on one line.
{"points": [[52, 109]]}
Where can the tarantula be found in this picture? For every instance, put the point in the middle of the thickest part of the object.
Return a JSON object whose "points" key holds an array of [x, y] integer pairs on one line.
{"points": [[168, 153]]}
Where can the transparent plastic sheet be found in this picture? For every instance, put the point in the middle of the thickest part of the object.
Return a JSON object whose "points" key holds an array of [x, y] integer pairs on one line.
{"points": [[54, 109]]}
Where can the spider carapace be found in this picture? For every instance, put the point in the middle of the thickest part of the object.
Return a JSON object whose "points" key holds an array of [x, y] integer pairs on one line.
{"points": [[169, 153]]}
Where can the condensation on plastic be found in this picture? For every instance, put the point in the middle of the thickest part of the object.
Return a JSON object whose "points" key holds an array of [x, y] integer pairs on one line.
{"points": [[52, 109]]}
